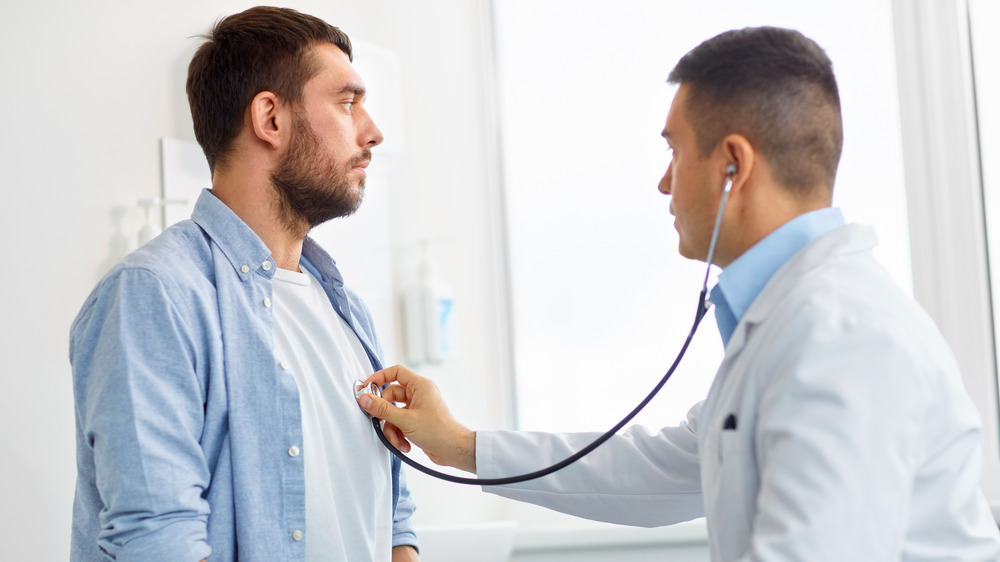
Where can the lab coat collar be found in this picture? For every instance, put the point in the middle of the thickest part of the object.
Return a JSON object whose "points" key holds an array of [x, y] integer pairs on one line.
{"points": [[848, 239], [742, 280]]}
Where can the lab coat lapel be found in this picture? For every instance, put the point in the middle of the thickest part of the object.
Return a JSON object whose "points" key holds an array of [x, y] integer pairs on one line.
{"points": [[730, 475], [844, 240], [737, 342]]}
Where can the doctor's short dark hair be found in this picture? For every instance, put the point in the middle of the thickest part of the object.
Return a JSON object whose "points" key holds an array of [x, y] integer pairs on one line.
{"points": [[775, 87], [260, 49]]}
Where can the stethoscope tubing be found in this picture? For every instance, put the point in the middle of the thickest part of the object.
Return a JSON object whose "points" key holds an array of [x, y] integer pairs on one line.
{"points": [[702, 309], [703, 305]]}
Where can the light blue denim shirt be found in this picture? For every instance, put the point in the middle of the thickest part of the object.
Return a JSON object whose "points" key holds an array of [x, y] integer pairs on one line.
{"points": [[742, 280], [184, 416]]}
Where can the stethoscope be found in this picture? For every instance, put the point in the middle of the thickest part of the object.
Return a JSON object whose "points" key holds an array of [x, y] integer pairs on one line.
{"points": [[703, 305]]}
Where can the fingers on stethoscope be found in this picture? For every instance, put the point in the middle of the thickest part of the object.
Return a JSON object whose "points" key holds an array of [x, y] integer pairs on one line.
{"points": [[377, 377], [383, 377], [394, 393], [395, 436], [393, 374]]}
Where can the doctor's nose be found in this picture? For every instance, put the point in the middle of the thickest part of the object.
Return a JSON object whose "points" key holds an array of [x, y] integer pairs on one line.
{"points": [[665, 182]]}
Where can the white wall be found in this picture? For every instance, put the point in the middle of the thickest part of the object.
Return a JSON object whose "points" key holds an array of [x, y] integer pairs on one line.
{"points": [[88, 89]]}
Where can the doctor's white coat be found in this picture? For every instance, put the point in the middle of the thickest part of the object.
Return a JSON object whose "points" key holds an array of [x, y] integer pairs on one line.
{"points": [[854, 438]]}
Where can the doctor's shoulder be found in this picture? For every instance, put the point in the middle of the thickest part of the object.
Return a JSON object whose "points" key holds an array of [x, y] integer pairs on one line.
{"points": [[849, 314]]}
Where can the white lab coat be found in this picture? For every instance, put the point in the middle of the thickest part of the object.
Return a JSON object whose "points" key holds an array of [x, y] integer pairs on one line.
{"points": [[855, 439]]}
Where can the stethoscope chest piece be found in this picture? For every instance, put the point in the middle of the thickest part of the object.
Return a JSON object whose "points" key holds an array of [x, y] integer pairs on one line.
{"points": [[360, 390]]}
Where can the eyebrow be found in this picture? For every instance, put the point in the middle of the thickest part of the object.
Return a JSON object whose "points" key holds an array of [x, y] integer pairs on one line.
{"points": [[665, 134], [357, 89]]}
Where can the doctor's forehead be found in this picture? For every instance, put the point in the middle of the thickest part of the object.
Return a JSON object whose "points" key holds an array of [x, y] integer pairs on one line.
{"points": [[672, 130], [677, 124]]}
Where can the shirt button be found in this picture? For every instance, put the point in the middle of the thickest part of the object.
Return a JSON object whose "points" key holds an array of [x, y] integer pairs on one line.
{"points": [[297, 535], [267, 302], [293, 451], [284, 365], [245, 269], [266, 265]]}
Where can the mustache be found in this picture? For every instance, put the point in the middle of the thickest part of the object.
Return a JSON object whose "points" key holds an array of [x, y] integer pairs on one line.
{"points": [[365, 154]]}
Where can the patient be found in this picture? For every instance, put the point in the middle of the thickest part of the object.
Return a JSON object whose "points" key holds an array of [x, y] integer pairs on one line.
{"points": [[212, 366]]}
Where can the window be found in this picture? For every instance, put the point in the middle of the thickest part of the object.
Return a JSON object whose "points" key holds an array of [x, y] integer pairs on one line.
{"points": [[600, 300]]}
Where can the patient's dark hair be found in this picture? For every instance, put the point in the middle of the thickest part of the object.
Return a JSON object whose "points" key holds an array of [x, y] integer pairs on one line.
{"points": [[261, 49], [775, 87]]}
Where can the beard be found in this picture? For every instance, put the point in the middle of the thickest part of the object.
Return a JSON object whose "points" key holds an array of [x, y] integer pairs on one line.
{"points": [[311, 186]]}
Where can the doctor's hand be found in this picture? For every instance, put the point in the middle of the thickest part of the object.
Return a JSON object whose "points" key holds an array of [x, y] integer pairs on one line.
{"points": [[424, 418]]}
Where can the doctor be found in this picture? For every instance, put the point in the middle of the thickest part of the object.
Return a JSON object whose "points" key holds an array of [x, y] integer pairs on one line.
{"points": [[837, 427]]}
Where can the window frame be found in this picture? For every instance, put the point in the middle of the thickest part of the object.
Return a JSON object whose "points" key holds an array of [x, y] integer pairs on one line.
{"points": [[945, 197]]}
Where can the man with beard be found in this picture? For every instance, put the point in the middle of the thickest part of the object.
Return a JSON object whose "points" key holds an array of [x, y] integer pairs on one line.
{"points": [[212, 367]]}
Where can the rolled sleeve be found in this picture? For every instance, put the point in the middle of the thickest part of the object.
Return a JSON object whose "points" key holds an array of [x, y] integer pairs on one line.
{"points": [[185, 539], [140, 409]]}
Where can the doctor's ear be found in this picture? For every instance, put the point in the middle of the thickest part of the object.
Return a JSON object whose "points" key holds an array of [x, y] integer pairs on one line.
{"points": [[268, 118], [740, 157]]}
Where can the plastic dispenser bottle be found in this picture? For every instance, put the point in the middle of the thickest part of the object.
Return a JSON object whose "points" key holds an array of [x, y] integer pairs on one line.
{"points": [[428, 313], [149, 228], [118, 247]]}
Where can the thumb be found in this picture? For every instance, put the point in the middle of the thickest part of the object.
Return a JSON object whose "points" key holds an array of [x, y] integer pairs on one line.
{"points": [[376, 407]]}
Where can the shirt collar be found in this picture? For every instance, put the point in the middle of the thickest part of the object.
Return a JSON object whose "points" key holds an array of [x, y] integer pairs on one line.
{"points": [[245, 251], [742, 280], [325, 266]]}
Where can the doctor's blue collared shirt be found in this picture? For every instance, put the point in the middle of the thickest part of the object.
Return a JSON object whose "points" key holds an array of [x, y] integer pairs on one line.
{"points": [[187, 425], [742, 280]]}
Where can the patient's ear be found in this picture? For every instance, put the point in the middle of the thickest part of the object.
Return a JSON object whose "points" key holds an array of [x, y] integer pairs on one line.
{"points": [[268, 118]]}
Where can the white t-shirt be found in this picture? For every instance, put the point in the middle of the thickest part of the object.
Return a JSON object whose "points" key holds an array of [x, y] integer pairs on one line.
{"points": [[347, 471]]}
